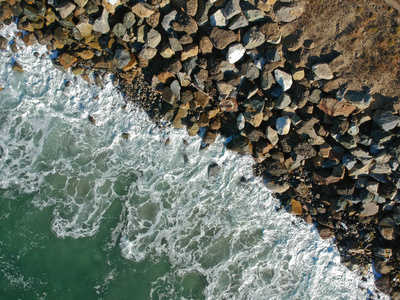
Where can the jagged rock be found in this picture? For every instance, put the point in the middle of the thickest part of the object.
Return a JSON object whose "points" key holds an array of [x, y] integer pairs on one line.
{"points": [[272, 55], [334, 108], [277, 187], [224, 89], [221, 38], [129, 20], [202, 12], [142, 10], [168, 19], [383, 285], [3, 43], [240, 121], [254, 15], [386, 120], [250, 71], [176, 89], [288, 14], [84, 27], [101, 24], [240, 145], [166, 51], [153, 38], [232, 8], [272, 135], [283, 125], [254, 112], [148, 52], [189, 51], [238, 21], [253, 38], [66, 60], [271, 32], [66, 9], [305, 150], [228, 105], [201, 98], [283, 101], [329, 177], [235, 53], [81, 3], [361, 100], [322, 71], [119, 30], [30, 39], [283, 79], [218, 19], [387, 190], [349, 161], [85, 54], [267, 80], [205, 45], [295, 208]]}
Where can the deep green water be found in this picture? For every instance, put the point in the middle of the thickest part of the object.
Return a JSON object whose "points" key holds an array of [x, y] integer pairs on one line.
{"points": [[85, 214]]}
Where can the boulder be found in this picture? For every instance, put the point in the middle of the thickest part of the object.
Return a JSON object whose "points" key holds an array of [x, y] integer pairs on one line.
{"points": [[101, 24], [3, 43], [221, 38], [283, 125], [240, 145], [334, 108], [253, 38], [322, 71], [235, 53], [283, 79], [385, 119], [142, 10], [153, 38], [288, 14]]}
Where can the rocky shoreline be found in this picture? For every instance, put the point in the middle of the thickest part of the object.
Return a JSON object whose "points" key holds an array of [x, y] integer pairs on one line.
{"points": [[330, 152]]}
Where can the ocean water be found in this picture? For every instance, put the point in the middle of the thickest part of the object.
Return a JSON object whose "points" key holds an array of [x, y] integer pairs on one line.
{"points": [[86, 214]]}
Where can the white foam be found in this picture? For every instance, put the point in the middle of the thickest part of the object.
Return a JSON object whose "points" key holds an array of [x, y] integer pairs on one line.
{"points": [[221, 230]]}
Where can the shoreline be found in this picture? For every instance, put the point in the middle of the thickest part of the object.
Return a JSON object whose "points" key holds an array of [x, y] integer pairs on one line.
{"points": [[330, 153]]}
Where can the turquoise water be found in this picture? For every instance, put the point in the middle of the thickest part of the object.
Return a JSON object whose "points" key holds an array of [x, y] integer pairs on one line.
{"points": [[86, 214]]}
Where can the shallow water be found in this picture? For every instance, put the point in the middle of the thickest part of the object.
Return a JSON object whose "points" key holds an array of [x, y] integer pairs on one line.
{"points": [[86, 214]]}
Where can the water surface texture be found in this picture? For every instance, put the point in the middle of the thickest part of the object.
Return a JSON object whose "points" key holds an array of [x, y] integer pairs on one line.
{"points": [[86, 214]]}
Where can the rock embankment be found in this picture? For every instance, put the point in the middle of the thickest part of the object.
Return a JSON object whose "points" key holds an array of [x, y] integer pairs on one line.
{"points": [[331, 155]]}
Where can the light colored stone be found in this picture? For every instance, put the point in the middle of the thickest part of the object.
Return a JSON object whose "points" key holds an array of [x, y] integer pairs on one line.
{"points": [[283, 125], [283, 79], [218, 19], [166, 51], [66, 10], [235, 52], [272, 135], [369, 209], [167, 20], [232, 8], [84, 27], [289, 13], [253, 38], [283, 101], [153, 38], [386, 120], [240, 121], [142, 10], [238, 21], [322, 71], [101, 24], [298, 74]]}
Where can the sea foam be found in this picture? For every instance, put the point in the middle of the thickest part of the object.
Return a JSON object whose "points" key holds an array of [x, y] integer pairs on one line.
{"points": [[223, 232]]}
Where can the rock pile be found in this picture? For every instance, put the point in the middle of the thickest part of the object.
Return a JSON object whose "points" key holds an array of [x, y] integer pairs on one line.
{"points": [[332, 155]]}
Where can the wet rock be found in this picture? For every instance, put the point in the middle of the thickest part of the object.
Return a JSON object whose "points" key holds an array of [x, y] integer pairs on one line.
{"points": [[66, 60], [386, 120], [322, 71], [213, 169], [383, 285], [240, 145], [17, 67], [283, 79], [253, 38], [221, 38], [295, 208], [3, 43], [283, 125], [30, 39], [288, 14], [235, 53]]}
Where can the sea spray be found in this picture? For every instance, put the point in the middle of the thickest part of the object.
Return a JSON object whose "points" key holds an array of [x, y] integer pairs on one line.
{"points": [[223, 235]]}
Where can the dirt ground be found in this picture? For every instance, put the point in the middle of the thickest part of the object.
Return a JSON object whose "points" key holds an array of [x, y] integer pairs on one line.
{"points": [[359, 38]]}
